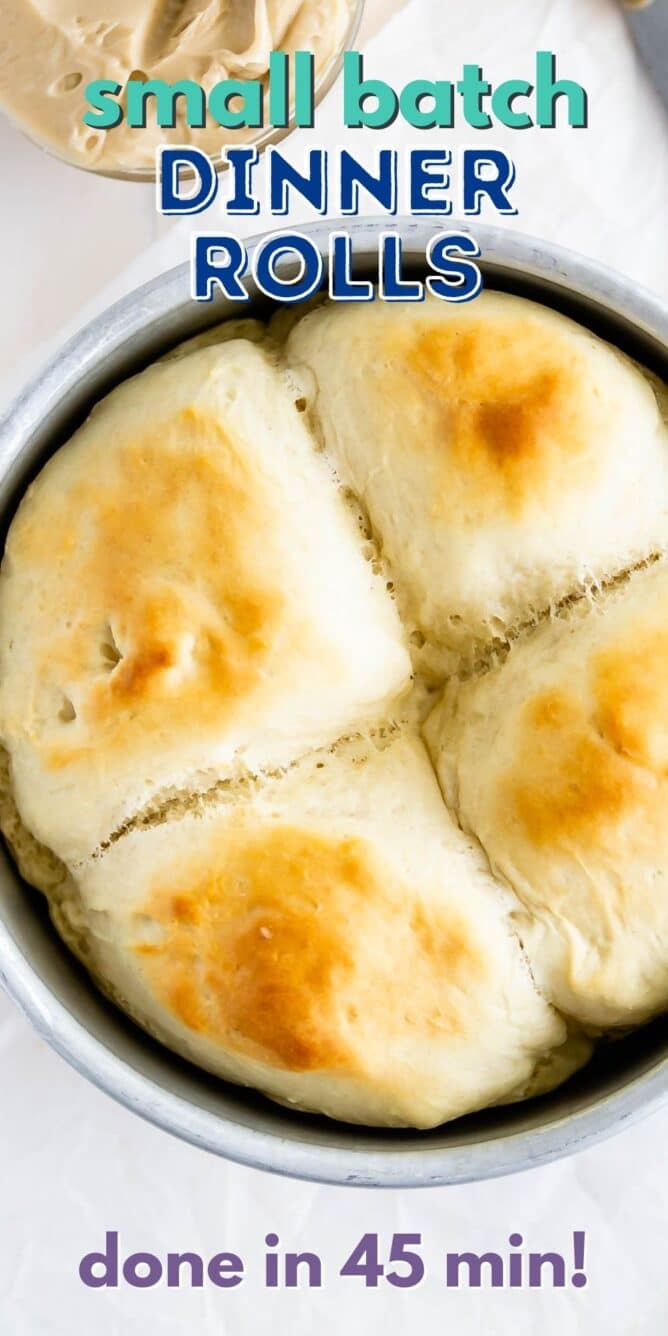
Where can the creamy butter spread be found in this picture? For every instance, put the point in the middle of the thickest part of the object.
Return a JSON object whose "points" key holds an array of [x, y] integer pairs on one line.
{"points": [[50, 50]]}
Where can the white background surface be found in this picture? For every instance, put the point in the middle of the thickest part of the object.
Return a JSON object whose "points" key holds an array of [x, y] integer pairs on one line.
{"points": [[72, 1164]]}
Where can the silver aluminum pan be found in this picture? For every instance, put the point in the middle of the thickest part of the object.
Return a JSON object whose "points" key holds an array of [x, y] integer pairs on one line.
{"points": [[626, 1080]]}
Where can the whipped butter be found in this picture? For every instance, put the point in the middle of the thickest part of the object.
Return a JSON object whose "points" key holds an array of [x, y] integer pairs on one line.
{"points": [[50, 50]]}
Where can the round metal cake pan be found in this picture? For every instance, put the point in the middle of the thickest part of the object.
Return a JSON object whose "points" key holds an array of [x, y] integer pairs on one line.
{"points": [[625, 1080]]}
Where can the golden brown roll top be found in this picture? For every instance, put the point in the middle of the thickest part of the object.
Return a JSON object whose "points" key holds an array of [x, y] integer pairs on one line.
{"points": [[184, 596], [330, 937], [506, 456], [557, 762], [214, 768]]}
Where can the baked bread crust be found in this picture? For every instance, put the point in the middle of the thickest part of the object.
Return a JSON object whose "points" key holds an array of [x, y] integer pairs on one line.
{"points": [[506, 457], [184, 596], [214, 765], [557, 762]]}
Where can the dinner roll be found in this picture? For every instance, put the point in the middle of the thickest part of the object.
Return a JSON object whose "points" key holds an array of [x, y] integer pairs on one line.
{"points": [[506, 456], [328, 936], [184, 596], [558, 762]]}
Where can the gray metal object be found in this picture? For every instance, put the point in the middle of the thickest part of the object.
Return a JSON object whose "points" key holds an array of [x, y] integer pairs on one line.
{"points": [[649, 25], [626, 1079]]}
